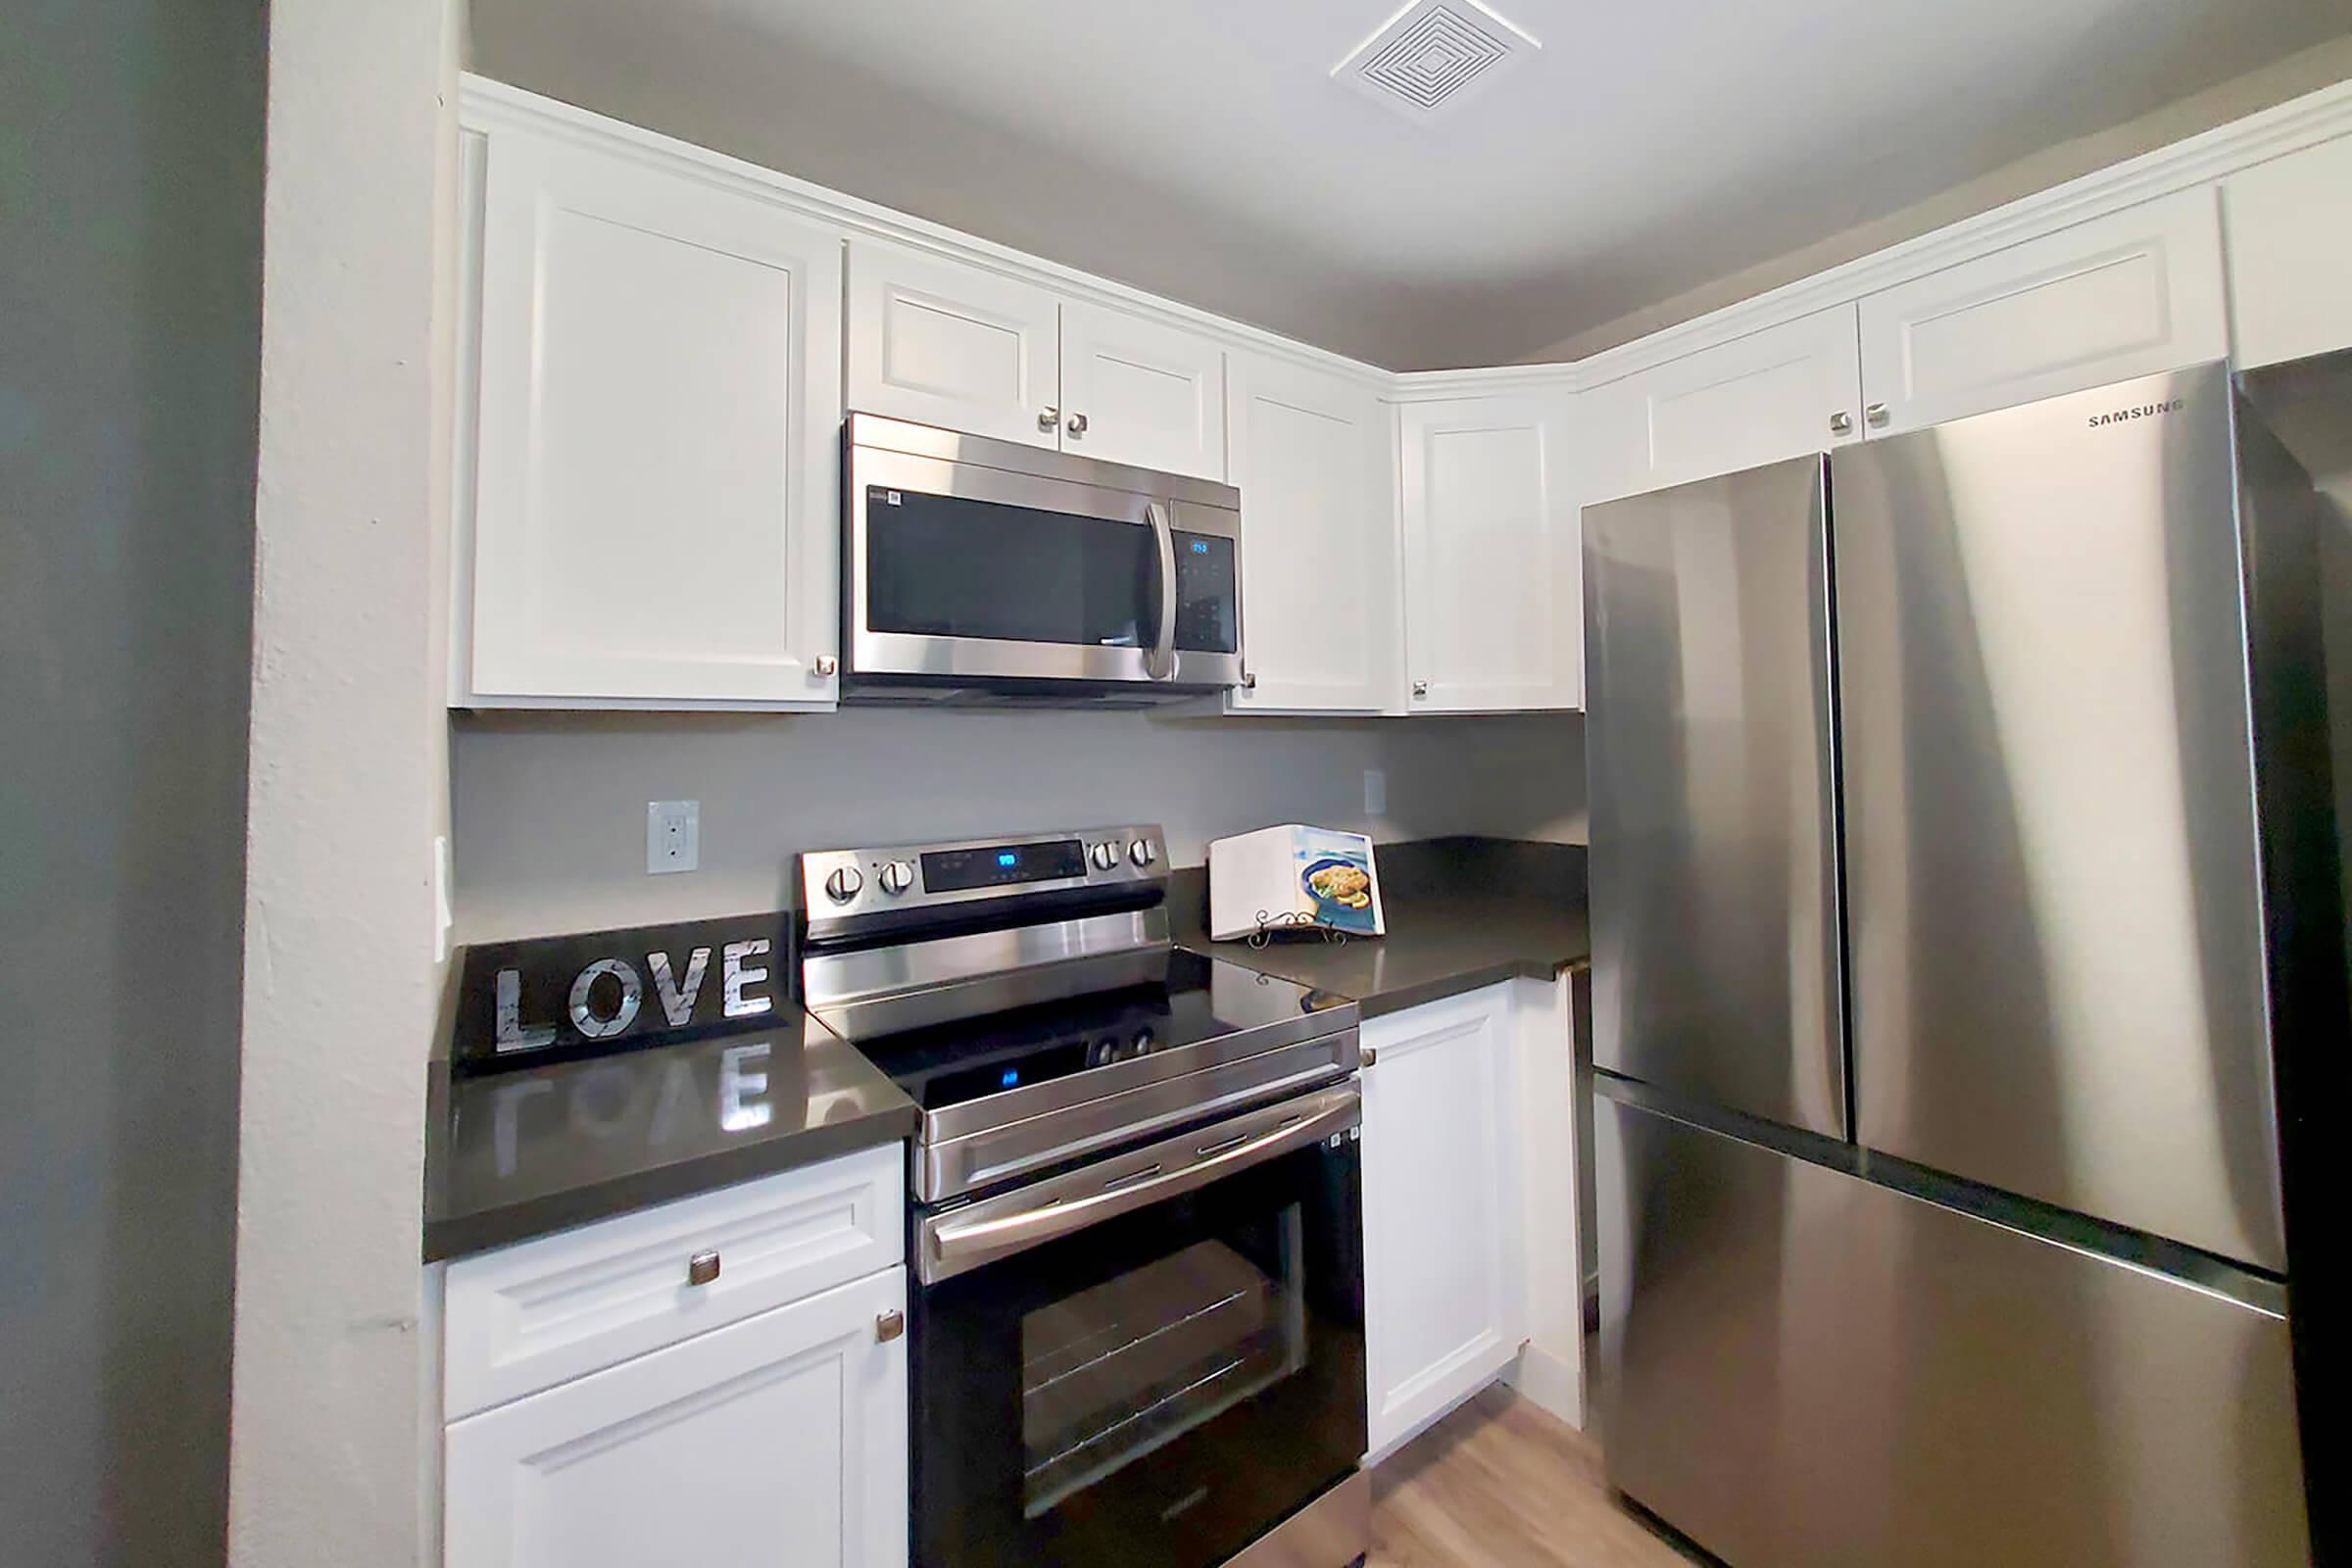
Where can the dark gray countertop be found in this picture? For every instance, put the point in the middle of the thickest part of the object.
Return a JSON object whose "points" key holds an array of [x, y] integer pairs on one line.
{"points": [[522, 1152], [519, 1153], [1462, 913]]}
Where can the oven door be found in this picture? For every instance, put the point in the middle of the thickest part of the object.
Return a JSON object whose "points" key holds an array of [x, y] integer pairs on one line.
{"points": [[1155, 1387], [959, 566]]}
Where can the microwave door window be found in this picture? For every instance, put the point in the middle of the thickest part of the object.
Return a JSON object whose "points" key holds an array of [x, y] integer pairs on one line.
{"points": [[949, 566]]}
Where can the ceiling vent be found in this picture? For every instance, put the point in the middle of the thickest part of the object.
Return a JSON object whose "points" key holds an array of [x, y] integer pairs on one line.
{"points": [[1434, 56]]}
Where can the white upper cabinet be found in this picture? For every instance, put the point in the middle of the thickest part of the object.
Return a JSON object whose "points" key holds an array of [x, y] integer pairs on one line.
{"points": [[653, 516], [2289, 224], [944, 343], [1446, 1306], [1491, 568], [1314, 455], [1138, 392], [1779, 393], [2129, 294]]}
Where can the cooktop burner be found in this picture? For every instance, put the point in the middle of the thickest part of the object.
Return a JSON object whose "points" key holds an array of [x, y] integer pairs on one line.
{"points": [[1204, 999], [1023, 991]]}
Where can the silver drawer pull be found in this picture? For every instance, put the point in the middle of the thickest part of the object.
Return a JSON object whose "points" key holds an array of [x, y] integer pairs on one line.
{"points": [[702, 1268], [889, 1326], [1131, 1178]]}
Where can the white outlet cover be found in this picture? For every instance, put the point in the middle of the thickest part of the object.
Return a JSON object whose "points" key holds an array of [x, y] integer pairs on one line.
{"points": [[1376, 791], [674, 836]]}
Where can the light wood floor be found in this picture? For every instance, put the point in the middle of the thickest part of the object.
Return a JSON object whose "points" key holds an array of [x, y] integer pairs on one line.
{"points": [[1501, 1483]]}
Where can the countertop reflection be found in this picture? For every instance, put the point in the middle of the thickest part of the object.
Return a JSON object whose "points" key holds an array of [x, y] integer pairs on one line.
{"points": [[1463, 914], [514, 1154]]}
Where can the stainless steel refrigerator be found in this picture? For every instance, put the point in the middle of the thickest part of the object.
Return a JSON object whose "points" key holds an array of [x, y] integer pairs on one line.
{"points": [[1968, 935]]}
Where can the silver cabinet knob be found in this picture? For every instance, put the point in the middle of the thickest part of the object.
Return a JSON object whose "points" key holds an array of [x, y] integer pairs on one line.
{"points": [[896, 878], [1105, 856], [1877, 415], [1841, 422], [1141, 853], [702, 1268], [1048, 417], [889, 1326], [1368, 1055], [825, 665], [1420, 688], [843, 885], [1077, 424]]}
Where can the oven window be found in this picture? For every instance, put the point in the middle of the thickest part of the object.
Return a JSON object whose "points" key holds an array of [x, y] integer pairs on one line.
{"points": [[1118, 1370], [1155, 1391], [949, 566]]}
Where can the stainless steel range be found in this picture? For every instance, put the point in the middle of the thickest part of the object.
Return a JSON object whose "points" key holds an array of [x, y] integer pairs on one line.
{"points": [[1136, 1233]]}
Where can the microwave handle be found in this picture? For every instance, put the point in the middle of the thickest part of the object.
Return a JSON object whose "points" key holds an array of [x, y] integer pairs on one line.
{"points": [[948, 1247], [1160, 663]]}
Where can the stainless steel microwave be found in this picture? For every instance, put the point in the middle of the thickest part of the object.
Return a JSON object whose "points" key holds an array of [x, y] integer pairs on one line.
{"points": [[983, 570]]}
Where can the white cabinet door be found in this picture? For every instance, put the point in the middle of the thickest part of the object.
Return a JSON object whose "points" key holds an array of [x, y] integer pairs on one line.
{"points": [[654, 514], [2290, 228], [2129, 294], [1312, 456], [778, 1441], [1779, 393], [1138, 392], [1491, 567], [1444, 1271], [944, 343]]}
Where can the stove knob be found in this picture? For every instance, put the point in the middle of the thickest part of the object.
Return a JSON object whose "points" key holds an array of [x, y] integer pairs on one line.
{"points": [[1105, 856], [896, 878], [843, 885], [1141, 853]]}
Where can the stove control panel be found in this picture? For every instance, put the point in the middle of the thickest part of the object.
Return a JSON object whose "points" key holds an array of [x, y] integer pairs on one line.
{"points": [[845, 884]]}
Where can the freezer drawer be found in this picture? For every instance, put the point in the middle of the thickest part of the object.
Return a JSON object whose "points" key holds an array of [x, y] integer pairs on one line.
{"points": [[1714, 884], [2056, 918], [1799, 1367]]}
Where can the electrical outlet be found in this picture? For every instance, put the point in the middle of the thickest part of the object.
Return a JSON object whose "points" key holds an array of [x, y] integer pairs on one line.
{"points": [[673, 835], [1376, 791]]}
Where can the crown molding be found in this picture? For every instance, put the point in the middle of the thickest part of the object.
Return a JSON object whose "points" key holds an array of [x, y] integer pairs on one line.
{"points": [[2199, 159], [486, 104]]}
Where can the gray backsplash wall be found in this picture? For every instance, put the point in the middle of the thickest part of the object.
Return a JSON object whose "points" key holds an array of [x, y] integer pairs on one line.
{"points": [[549, 808]]}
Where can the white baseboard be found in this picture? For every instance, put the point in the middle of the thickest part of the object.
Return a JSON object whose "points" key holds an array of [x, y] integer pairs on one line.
{"points": [[1548, 1381]]}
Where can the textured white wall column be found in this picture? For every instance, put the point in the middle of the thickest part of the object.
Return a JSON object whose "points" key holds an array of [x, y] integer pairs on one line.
{"points": [[348, 786]]}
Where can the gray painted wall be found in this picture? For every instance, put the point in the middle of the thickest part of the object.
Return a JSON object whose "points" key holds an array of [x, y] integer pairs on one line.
{"points": [[549, 809], [129, 366]]}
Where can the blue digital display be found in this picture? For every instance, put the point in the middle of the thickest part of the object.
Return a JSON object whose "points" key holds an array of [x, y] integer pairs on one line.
{"points": [[1013, 1075], [1007, 858], [1200, 546]]}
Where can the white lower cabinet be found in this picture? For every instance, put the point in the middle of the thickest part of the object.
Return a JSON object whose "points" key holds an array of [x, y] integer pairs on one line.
{"points": [[1444, 1250], [779, 1439], [720, 1380]]}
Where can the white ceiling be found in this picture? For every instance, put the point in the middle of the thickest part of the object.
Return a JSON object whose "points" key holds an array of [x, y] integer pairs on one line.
{"points": [[1199, 148]]}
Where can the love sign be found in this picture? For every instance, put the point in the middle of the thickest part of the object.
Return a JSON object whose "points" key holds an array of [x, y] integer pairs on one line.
{"points": [[527, 1001]]}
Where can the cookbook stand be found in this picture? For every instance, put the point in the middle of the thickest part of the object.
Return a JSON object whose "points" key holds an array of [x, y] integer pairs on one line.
{"points": [[1288, 923]]}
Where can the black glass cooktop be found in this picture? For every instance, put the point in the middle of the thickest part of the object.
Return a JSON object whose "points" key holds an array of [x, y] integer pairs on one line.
{"points": [[1204, 999]]}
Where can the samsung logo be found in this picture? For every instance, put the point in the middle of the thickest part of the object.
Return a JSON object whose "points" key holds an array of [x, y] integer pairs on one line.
{"points": [[2145, 411]]}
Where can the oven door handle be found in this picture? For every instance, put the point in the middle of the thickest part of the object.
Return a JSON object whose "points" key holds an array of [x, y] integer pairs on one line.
{"points": [[953, 1244], [1161, 661]]}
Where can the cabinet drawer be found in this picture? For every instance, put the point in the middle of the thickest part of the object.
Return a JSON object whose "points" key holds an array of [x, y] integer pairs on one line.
{"points": [[530, 1316]]}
